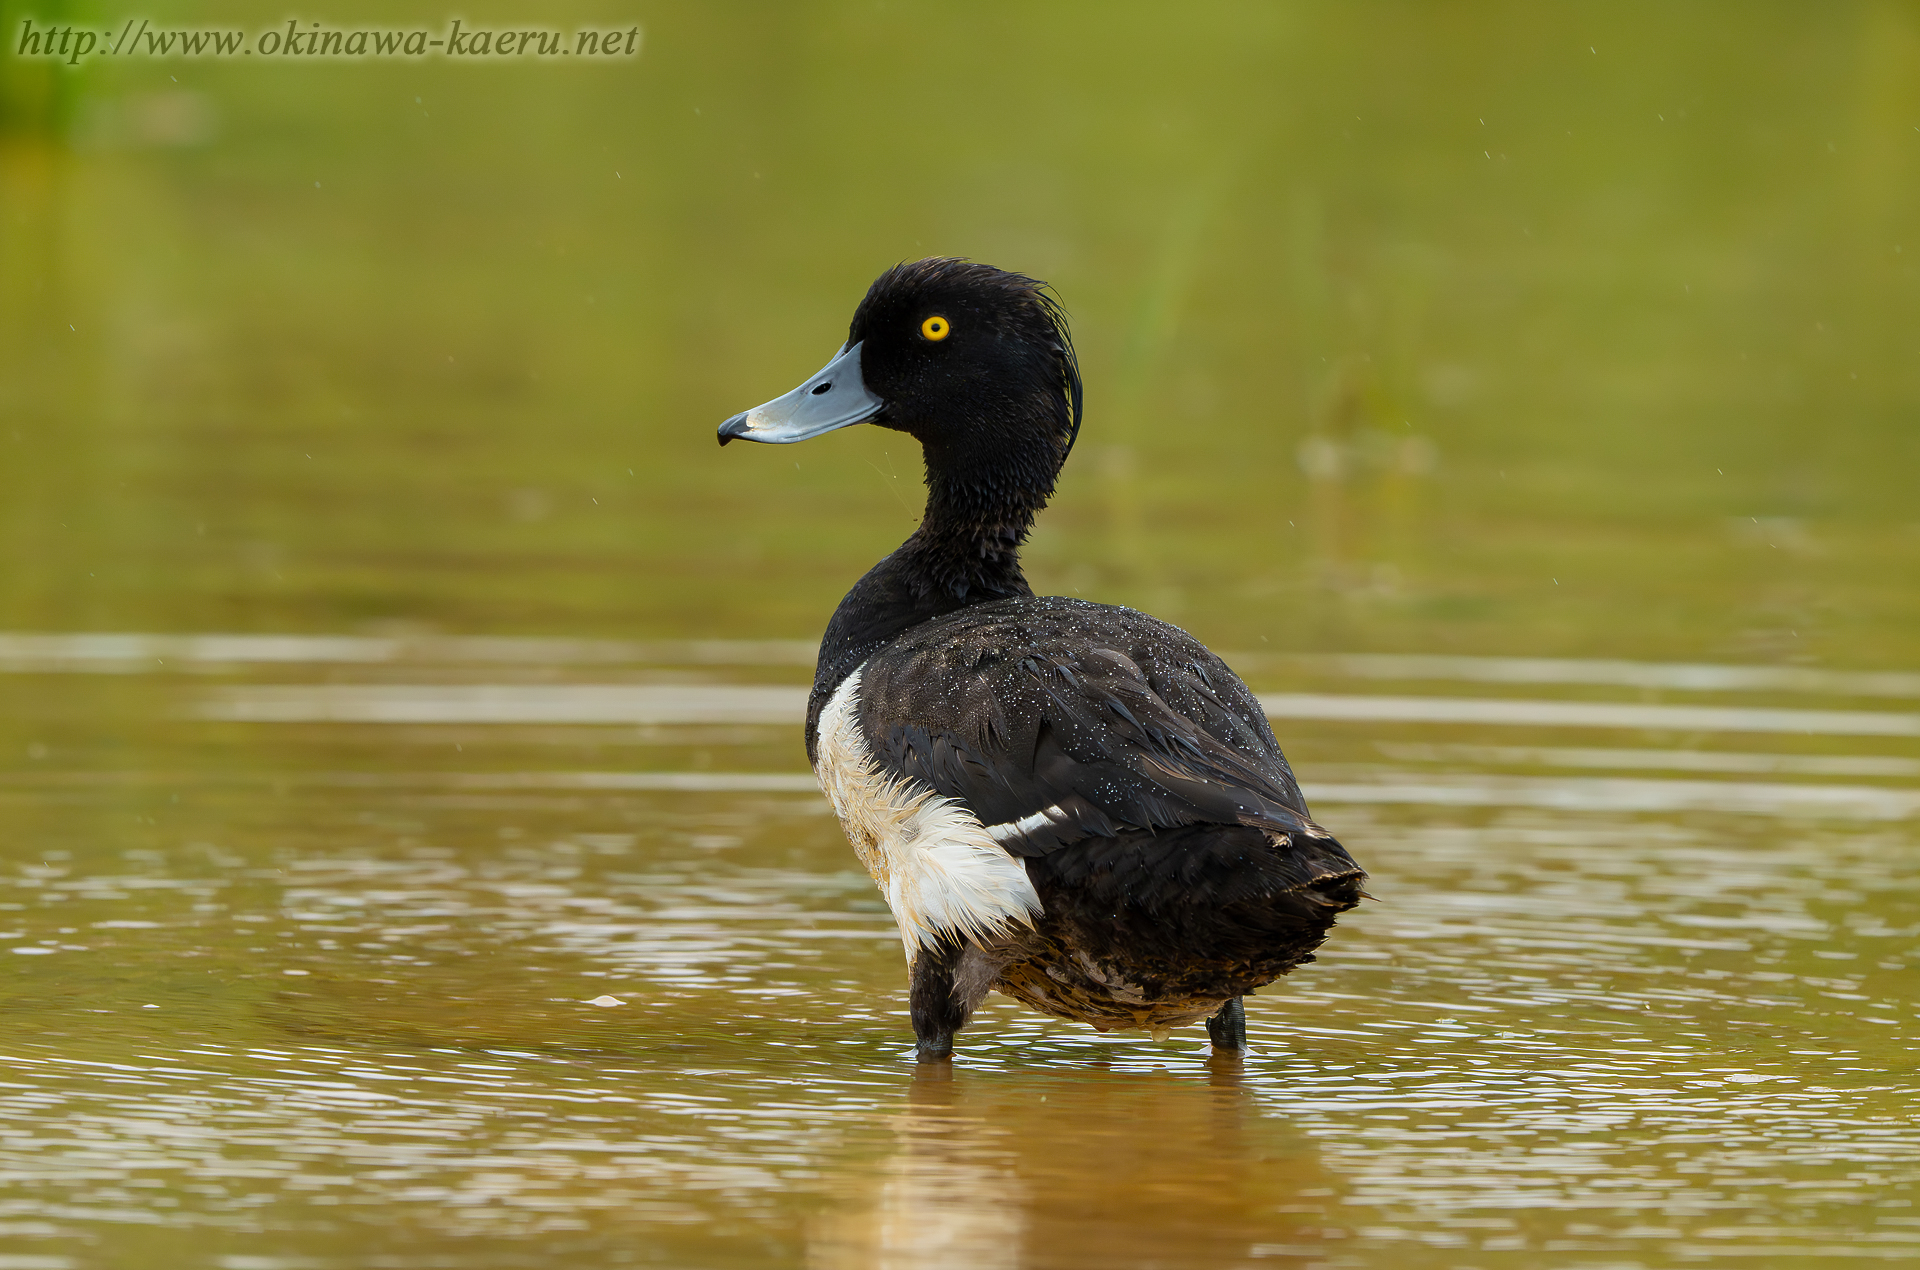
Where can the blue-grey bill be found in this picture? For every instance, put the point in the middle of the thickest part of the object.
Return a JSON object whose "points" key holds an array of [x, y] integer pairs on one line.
{"points": [[832, 398]]}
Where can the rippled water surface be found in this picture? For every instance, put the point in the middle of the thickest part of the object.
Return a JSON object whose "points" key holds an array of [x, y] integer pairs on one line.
{"points": [[291, 994]]}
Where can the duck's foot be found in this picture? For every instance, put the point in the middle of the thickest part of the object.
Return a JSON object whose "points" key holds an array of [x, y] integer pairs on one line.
{"points": [[938, 1008], [1227, 1029]]}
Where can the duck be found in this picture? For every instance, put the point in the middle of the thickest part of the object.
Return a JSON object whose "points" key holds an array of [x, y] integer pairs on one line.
{"points": [[1074, 804]]}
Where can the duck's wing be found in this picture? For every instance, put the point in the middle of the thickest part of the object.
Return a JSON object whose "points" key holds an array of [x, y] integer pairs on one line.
{"points": [[1052, 731]]}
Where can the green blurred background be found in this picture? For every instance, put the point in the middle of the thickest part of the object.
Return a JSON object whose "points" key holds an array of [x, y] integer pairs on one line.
{"points": [[1560, 329]]}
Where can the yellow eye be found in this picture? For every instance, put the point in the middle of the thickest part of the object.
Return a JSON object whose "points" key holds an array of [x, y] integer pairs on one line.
{"points": [[935, 328]]}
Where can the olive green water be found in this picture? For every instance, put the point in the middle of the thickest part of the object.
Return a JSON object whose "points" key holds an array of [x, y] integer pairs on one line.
{"points": [[1503, 332]]}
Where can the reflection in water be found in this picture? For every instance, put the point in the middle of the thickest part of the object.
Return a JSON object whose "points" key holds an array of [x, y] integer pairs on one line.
{"points": [[949, 1195], [1081, 1167]]}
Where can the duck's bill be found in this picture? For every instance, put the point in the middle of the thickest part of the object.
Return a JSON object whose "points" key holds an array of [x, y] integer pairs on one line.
{"points": [[833, 398]]}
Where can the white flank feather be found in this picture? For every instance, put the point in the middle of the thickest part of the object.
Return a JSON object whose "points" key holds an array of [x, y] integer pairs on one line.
{"points": [[939, 869]]}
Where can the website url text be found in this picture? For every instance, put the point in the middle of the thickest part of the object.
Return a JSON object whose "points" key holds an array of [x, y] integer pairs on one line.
{"points": [[138, 37]]}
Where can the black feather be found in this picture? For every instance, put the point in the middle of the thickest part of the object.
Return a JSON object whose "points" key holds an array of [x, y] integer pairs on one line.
{"points": [[1104, 715]]}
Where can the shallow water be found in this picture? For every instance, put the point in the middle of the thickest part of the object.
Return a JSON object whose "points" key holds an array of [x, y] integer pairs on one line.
{"points": [[391, 667], [290, 994]]}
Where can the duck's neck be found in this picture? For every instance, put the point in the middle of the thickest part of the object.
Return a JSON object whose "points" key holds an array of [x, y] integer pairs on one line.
{"points": [[967, 548], [965, 552]]}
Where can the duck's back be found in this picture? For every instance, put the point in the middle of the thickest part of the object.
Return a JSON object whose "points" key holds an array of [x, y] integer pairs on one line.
{"points": [[1056, 719]]}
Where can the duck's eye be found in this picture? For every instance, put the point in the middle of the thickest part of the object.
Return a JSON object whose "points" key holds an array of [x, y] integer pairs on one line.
{"points": [[935, 328]]}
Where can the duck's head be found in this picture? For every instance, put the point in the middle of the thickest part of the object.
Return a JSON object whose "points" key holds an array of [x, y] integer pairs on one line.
{"points": [[972, 361]]}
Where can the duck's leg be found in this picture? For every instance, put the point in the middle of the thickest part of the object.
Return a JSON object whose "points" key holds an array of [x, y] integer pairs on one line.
{"points": [[1227, 1029], [938, 1005]]}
